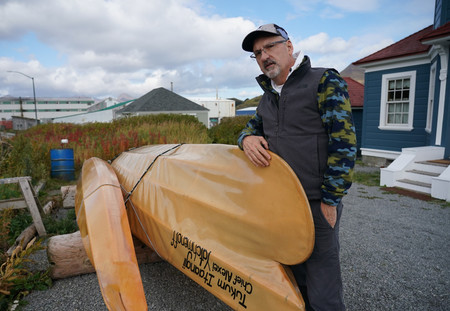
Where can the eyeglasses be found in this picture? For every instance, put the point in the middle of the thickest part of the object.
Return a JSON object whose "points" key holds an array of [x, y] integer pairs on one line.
{"points": [[266, 48]]}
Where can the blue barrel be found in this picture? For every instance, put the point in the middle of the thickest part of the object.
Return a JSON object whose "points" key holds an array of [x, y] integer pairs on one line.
{"points": [[63, 166]]}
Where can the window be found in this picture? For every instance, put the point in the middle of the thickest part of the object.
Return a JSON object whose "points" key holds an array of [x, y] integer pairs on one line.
{"points": [[213, 121], [397, 101]]}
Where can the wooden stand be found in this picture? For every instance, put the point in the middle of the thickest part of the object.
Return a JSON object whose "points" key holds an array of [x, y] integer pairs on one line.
{"points": [[66, 252], [30, 200]]}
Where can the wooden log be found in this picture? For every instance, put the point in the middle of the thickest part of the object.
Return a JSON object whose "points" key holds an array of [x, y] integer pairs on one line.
{"points": [[23, 238], [48, 207], [68, 257]]}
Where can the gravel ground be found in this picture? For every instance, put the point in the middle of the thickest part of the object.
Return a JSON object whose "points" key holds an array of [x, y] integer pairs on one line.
{"points": [[395, 255]]}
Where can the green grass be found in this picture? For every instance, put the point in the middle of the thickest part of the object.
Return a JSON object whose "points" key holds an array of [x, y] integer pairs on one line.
{"points": [[9, 191], [444, 204], [64, 225], [369, 179]]}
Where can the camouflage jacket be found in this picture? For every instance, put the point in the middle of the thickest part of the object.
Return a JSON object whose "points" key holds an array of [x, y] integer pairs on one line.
{"points": [[335, 112]]}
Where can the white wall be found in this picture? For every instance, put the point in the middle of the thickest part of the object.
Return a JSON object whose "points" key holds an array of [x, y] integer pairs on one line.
{"points": [[96, 116], [218, 108]]}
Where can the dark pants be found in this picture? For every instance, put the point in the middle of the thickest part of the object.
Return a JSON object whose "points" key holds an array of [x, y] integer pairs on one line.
{"points": [[319, 278]]}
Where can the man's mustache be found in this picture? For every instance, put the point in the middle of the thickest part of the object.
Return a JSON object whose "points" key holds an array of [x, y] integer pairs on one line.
{"points": [[268, 62]]}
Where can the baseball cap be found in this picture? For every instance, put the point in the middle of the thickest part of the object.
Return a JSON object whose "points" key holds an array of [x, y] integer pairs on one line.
{"points": [[264, 30]]}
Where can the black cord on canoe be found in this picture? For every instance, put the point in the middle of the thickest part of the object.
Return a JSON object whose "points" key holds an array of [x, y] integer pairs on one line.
{"points": [[112, 160], [148, 168], [143, 229]]}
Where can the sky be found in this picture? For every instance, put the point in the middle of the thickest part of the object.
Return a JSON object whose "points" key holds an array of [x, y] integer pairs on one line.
{"points": [[105, 48]]}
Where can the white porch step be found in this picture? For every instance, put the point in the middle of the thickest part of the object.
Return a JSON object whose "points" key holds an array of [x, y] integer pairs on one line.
{"points": [[420, 176], [420, 169], [414, 185], [431, 167]]}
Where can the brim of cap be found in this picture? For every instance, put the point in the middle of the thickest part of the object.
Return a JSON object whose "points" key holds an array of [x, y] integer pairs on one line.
{"points": [[247, 44]]}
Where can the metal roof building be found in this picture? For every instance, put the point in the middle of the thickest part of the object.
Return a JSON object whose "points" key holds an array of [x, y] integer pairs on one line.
{"points": [[161, 100]]}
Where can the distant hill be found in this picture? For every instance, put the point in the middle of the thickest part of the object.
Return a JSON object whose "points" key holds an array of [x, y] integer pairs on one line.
{"points": [[252, 102], [124, 97], [354, 72], [237, 101]]}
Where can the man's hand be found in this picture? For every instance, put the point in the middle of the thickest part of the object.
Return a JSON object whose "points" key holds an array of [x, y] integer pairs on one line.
{"points": [[255, 148], [330, 213]]}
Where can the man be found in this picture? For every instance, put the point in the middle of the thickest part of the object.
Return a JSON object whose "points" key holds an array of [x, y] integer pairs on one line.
{"points": [[305, 117]]}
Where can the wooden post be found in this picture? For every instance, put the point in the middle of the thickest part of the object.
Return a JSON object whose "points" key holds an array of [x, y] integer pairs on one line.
{"points": [[32, 206]]}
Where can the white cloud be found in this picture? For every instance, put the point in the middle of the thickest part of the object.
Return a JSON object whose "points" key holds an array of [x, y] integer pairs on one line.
{"points": [[108, 47], [158, 32], [338, 52], [109, 40], [322, 43]]}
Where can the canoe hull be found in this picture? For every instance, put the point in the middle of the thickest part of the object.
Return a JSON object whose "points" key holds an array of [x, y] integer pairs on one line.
{"points": [[226, 224], [107, 238]]}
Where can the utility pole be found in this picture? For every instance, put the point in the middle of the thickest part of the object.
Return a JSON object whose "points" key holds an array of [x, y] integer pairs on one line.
{"points": [[34, 92]]}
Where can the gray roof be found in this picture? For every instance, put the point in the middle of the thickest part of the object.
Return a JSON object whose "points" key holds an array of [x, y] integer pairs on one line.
{"points": [[161, 99]]}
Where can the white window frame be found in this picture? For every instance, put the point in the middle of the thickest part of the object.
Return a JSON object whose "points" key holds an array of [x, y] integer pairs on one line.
{"points": [[383, 101]]}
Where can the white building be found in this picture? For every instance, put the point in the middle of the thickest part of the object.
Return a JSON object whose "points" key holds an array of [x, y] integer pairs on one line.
{"points": [[47, 108], [218, 108], [106, 103], [107, 114], [82, 110]]}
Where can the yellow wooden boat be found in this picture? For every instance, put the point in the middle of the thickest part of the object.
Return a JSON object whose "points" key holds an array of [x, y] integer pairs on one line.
{"points": [[229, 226], [106, 236]]}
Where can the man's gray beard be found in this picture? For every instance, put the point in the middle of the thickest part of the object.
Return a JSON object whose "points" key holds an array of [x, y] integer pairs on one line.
{"points": [[273, 73]]}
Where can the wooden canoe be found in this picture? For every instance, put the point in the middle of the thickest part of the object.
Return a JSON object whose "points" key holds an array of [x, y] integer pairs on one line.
{"points": [[106, 236], [229, 226]]}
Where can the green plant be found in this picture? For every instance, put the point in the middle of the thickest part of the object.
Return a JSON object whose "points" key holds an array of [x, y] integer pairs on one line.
{"points": [[15, 280], [19, 222], [28, 153], [9, 191], [6, 216], [64, 225], [228, 130]]}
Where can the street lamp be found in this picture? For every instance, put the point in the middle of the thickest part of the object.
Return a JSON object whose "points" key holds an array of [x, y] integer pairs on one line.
{"points": [[34, 92]]}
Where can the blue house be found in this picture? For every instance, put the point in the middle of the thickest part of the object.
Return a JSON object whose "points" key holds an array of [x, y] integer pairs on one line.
{"points": [[406, 115]]}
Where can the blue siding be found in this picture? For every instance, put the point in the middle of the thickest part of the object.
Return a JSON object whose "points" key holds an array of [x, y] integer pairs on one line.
{"points": [[357, 114], [441, 13], [446, 131], [372, 136]]}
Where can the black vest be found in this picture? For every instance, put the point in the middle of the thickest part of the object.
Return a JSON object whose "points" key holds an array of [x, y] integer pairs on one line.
{"points": [[293, 126]]}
